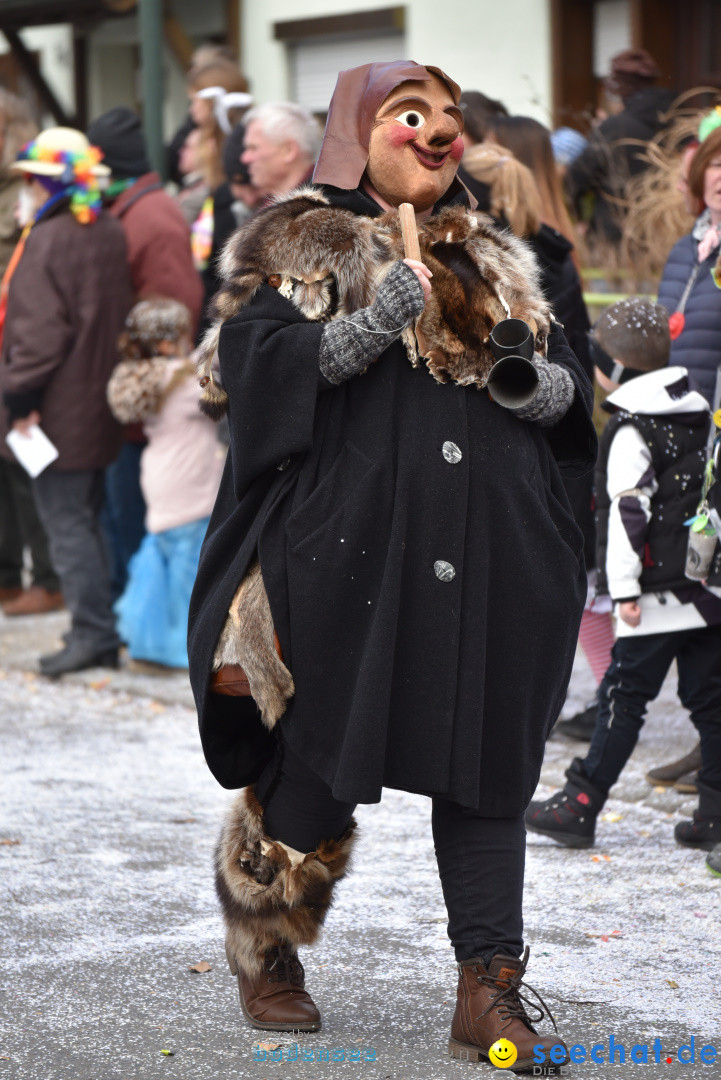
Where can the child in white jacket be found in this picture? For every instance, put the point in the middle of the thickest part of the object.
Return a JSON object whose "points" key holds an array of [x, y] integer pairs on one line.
{"points": [[179, 474], [648, 484]]}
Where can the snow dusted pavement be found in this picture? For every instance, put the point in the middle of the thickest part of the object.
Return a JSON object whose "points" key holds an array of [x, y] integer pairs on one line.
{"points": [[108, 817]]}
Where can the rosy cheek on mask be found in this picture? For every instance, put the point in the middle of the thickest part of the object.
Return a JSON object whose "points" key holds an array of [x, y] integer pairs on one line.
{"points": [[457, 149], [399, 136]]}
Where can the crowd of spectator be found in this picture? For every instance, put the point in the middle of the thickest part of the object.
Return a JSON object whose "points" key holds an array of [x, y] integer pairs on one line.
{"points": [[108, 283]]}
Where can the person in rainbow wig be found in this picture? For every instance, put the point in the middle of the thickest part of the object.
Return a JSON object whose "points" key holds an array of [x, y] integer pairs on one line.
{"points": [[65, 305], [60, 164]]}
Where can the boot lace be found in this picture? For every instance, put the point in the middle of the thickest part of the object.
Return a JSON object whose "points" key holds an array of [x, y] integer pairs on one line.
{"points": [[282, 965], [511, 1003]]}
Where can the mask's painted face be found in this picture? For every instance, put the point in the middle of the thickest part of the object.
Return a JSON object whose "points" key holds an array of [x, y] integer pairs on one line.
{"points": [[416, 144]]}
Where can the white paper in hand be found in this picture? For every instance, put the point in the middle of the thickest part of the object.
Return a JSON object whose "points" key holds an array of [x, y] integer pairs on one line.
{"points": [[34, 451]]}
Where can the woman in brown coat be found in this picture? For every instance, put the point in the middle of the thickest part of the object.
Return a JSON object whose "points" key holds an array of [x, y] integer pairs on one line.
{"points": [[20, 527]]}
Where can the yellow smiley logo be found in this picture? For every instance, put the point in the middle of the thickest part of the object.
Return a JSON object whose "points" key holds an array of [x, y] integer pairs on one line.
{"points": [[503, 1053]]}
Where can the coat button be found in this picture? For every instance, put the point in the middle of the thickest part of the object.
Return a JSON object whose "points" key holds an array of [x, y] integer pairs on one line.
{"points": [[444, 570], [283, 465], [452, 453]]}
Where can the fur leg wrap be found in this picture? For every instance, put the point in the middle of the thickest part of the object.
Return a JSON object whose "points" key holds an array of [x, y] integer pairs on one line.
{"points": [[268, 892], [248, 639]]}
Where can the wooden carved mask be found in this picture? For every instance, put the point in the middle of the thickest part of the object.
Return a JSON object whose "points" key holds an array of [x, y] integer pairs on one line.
{"points": [[415, 144]]}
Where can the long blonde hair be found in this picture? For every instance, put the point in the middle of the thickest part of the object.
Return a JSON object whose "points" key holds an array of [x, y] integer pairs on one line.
{"points": [[513, 192], [530, 142]]}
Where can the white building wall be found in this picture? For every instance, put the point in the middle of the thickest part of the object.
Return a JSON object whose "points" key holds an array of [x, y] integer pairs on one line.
{"points": [[611, 33], [502, 47]]}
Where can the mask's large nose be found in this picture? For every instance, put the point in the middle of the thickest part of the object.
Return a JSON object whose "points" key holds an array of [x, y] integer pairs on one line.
{"points": [[443, 130]]}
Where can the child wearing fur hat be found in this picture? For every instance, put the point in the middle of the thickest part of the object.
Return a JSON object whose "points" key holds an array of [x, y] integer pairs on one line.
{"points": [[179, 475], [648, 483]]}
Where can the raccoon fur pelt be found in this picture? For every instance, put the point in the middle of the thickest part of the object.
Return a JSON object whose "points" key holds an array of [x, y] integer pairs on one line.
{"points": [[328, 262], [269, 892], [248, 639]]}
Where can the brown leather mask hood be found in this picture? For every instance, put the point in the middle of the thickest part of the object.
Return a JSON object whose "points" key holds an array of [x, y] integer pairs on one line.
{"points": [[358, 95]]}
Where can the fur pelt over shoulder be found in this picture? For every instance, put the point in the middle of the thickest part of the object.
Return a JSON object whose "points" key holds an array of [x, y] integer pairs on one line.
{"points": [[270, 892], [329, 263]]}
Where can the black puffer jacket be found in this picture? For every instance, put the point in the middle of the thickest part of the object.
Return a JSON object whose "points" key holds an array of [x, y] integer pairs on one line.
{"points": [[562, 286], [609, 161], [698, 346]]}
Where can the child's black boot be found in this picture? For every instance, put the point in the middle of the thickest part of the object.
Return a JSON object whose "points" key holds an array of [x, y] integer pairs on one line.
{"points": [[704, 829], [570, 815]]}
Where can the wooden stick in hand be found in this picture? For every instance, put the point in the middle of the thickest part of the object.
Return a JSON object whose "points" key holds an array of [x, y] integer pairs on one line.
{"points": [[409, 231], [412, 249]]}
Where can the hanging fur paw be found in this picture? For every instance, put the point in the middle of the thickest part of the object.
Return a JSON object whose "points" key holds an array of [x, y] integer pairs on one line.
{"points": [[248, 640]]}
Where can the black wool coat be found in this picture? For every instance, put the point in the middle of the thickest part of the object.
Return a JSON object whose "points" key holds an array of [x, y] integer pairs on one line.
{"points": [[562, 287], [432, 678]]}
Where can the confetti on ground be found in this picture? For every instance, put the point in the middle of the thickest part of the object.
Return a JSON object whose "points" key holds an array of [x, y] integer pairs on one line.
{"points": [[201, 968], [123, 900]]}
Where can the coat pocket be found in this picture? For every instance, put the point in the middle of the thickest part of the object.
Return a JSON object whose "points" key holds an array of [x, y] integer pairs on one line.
{"points": [[337, 488], [566, 525]]}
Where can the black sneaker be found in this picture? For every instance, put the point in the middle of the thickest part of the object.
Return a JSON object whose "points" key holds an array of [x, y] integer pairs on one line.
{"points": [[582, 725], [569, 816], [700, 832], [77, 656], [564, 819]]}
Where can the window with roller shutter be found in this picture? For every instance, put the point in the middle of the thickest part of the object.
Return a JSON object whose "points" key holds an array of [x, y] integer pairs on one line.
{"points": [[314, 63]]}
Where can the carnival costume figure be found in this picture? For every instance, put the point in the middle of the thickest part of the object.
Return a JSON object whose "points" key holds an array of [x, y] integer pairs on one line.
{"points": [[392, 563]]}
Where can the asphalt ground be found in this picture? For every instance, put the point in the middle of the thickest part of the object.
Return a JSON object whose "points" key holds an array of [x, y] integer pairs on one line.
{"points": [[108, 818]]}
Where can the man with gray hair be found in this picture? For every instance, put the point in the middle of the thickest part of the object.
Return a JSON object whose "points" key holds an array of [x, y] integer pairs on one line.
{"points": [[281, 144]]}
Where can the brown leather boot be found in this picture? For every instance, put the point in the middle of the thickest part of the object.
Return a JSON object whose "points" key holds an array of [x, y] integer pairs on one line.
{"points": [[35, 601], [490, 1007], [275, 998], [274, 899]]}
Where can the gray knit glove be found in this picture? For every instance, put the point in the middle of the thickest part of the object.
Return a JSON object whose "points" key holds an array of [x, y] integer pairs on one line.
{"points": [[553, 397], [349, 345]]}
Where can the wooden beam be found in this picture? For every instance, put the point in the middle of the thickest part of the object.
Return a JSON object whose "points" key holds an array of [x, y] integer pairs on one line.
{"points": [[80, 79], [178, 41], [573, 81], [654, 27], [232, 25], [29, 66]]}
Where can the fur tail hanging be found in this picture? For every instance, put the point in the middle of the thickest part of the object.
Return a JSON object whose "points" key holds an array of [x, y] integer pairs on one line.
{"points": [[213, 398], [270, 892], [248, 640]]}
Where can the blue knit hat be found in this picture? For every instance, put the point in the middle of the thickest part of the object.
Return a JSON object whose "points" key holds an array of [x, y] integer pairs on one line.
{"points": [[567, 144]]}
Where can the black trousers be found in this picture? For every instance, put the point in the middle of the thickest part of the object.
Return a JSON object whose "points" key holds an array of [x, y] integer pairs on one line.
{"points": [[638, 668], [480, 860], [19, 528]]}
